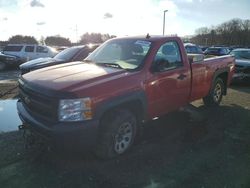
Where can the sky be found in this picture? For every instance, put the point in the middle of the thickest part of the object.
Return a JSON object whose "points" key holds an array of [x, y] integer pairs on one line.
{"points": [[72, 18]]}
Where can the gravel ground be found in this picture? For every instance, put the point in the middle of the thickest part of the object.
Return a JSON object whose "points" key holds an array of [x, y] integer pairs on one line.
{"points": [[175, 151]]}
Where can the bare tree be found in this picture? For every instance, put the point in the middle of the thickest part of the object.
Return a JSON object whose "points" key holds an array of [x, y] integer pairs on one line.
{"points": [[234, 32]]}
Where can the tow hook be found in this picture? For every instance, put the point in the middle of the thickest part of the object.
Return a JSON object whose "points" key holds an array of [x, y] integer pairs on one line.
{"points": [[32, 140], [29, 139], [22, 127]]}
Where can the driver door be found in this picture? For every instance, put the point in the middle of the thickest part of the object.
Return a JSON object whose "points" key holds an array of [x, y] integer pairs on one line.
{"points": [[169, 86]]}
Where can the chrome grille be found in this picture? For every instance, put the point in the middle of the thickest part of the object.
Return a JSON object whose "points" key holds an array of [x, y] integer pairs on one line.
{"points": [[38, 104]]}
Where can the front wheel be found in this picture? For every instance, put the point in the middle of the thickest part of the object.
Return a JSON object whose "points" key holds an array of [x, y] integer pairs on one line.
{"points": [[116, 134], [215, 95]]}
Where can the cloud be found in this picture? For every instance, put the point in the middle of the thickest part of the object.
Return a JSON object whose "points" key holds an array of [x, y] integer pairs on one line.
{"points": [[5, 19], [6, 3], [36, 3], [107, 15], [40, 23]]}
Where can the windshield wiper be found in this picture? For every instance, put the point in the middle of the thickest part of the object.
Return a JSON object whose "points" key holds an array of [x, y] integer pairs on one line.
{"points": [[88, 61], [114, 65]]}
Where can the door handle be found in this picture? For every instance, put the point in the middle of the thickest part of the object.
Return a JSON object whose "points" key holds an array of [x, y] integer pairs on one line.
{"points": [[181, 76]]}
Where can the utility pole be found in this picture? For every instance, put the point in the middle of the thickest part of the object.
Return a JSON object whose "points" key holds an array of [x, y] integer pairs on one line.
{"points": [[164, 12], [76, 30]]}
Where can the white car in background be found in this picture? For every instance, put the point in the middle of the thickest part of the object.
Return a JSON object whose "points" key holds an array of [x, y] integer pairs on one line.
{"points": [[28, 52]]}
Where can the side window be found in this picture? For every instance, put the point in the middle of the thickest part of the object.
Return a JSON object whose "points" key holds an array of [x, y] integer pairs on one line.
{"points": [[224, 51], [168, 57], [29, 49], [13, 48], [41, 49]]}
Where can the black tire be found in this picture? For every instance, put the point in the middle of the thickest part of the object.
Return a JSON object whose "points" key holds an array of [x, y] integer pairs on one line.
{"points": [[215, 95], [2, 66], [116, 134]]}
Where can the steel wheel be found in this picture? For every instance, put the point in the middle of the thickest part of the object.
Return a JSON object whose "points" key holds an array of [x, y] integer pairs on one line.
{"points": [[123, 137], [217, 92], [116, 133], [215, 95]]}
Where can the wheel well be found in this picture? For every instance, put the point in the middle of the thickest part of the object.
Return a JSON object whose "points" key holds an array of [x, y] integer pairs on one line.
{"points": [[224, 77], [135, 106]]}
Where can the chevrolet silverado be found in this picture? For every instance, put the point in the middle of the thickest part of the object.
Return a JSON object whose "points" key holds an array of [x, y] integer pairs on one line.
{"points": [[102, 102]]}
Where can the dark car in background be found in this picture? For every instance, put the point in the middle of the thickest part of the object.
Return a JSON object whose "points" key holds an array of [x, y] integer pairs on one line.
{"points": [[75, 53], [7, 61], [242, 64], [217, 51], [193, 48]]}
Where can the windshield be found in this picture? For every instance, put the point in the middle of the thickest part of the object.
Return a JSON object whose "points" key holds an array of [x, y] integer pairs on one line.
{"points": [[125, 53], [67, 54], [241, 54], [213, 50]]}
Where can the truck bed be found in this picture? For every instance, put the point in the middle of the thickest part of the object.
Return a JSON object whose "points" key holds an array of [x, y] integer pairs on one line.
{"points": [[203, 74]]}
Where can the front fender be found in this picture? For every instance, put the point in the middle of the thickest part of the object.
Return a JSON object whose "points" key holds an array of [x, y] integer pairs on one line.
{"points": [[115, 102]]}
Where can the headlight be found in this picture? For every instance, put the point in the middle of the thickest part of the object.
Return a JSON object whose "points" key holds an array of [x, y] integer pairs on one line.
{"points": [[75, 109]]}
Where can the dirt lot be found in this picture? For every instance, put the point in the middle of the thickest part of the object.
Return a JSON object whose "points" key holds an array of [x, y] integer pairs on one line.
{"points": [[8, 84], [174, 151]]}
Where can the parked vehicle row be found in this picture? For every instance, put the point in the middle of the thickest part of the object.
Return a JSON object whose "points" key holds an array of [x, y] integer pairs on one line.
{"points": [[217, 51], [9, 60], [75, 53], [15, 54], [242, 64], [40, 56], [29, 51]]}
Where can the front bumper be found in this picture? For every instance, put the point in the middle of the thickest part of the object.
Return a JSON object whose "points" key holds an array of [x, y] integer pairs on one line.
{"points": [[242, 72], [63, 134], [241, 76]]}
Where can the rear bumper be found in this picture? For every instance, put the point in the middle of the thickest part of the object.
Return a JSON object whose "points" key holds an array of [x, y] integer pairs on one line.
{"points": [[67, 135]]}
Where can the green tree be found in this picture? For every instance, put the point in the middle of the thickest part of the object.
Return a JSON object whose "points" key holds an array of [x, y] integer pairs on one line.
{"points": [[20, 39], [94, 38], [57, 41]]}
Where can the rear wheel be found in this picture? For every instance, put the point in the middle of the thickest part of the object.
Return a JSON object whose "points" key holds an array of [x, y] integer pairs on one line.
{"points": [[2, 66], [116, 134], [215, 95]]}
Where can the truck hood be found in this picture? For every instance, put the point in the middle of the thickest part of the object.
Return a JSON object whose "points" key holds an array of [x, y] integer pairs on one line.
{"points": [[37, 62], [70, 76], [242, 62]]}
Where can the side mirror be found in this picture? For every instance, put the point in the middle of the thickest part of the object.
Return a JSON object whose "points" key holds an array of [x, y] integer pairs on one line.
{"points": [[160, 65], [195, 58]]}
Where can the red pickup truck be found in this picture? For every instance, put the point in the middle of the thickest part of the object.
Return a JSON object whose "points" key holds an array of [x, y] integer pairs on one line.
{"points": [[103, 101]]}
